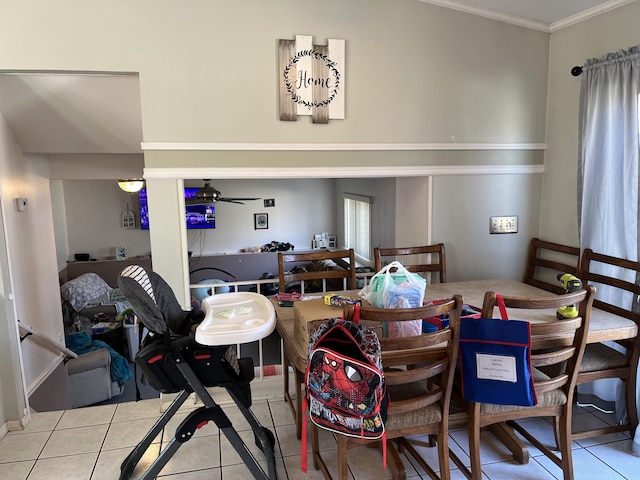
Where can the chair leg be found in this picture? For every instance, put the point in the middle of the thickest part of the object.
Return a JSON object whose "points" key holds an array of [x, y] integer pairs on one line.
{"points": [[443, 449], [630, 398], [285, 371], [565, 444], [474, 442], [556, 431], [443, 455], [342, 457], [318, 461], [394, 462], [299, 381], [315, 446]]}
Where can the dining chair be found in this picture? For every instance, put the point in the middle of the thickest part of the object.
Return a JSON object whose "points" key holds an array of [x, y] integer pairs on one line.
{"points": [[554, 343], [545, 260], [310, 268], [620, 277], [419, 397], [417, 258], [325, 266]]}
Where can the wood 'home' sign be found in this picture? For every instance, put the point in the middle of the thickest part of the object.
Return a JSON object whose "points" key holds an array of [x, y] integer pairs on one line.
{"points": [[311, 79]]}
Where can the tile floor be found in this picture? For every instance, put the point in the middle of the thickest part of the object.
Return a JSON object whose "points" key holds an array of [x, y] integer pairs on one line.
{"points": [[90, 443]]}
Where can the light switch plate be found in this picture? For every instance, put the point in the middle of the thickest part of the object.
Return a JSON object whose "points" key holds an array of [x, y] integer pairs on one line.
{"points": [[503, 224]]}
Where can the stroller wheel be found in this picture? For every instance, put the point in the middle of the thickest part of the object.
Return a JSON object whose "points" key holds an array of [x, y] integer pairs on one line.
{"points": [[270, 437]]}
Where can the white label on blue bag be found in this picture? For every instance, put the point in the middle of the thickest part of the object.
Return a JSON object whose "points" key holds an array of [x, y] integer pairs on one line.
{"points": [[496, 367]]}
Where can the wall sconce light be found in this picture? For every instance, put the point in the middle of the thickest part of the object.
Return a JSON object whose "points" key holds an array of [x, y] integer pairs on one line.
{"points": [[131, 185]]}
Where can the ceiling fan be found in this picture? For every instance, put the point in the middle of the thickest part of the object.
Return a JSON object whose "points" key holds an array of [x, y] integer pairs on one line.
{"points": [[208, 195]]}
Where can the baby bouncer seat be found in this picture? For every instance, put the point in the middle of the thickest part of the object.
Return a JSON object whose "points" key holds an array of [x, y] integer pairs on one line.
{"points": [[186, 352]]}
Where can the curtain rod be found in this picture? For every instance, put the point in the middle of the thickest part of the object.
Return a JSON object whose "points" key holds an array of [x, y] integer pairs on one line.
{"points": [[576, 71]]}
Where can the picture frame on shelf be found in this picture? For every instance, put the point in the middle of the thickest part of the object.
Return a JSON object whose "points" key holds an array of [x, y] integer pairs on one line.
{"points": [[261, 221]]}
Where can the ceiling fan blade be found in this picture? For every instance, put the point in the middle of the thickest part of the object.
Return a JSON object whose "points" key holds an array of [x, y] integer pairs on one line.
{"points": [[225, 199], [197, 201], [230, 200]]}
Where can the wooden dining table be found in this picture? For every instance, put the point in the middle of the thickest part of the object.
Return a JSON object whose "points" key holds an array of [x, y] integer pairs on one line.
{"points": [[603, 326]]}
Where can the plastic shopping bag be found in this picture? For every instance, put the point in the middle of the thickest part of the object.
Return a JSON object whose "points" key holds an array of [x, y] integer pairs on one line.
{"points": [[396, 287]]}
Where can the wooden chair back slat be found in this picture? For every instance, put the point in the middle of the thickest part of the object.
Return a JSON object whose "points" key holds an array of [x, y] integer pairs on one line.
{"points": [[423, 353], [406, 406], [557, 359], [553, 342], [593, 261], [345, 259], [437, 263], [613, 277], [545, 260]]}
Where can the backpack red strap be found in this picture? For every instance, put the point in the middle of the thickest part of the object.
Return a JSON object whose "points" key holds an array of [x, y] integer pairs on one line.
{"points": [[384, 450], [304, 434], [356, 314], [501, 307]]}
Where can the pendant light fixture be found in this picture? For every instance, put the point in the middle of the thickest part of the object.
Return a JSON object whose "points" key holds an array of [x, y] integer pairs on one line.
{"points": [[131, 185]]}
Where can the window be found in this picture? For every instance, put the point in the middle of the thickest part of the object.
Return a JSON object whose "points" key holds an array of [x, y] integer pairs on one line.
{"points": [[357, 225]]}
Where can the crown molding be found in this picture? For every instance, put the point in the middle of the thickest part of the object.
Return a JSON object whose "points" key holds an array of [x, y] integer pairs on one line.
{"points": [[525, 22], [587, 14], [503, 17], [204, 146], [338, 172]]}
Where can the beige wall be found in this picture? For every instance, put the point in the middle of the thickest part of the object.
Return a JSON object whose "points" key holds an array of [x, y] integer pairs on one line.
{"points": [[208, 69], [415, 73], [573, 46]]}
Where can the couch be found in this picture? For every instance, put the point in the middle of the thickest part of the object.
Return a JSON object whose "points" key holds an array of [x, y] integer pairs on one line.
{"points": [[90, 378], [98, 374]]}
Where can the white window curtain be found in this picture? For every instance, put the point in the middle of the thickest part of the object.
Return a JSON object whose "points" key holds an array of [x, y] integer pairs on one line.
{"points": [[357, 224], [608, 176]]}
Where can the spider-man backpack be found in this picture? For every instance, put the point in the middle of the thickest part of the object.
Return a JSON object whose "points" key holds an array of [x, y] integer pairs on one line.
{"points": [[345, 389]]}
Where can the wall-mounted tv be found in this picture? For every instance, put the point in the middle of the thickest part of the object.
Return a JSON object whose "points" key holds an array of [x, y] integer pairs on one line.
{"points": [[196, 216]]}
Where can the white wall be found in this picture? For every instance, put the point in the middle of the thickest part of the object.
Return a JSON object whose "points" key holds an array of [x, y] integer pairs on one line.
{"points": [[302, 207], [31, 271], [92, 210]]}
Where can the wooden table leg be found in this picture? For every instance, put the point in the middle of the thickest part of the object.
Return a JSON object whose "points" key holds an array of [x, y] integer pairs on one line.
{"points": [[508, 437]]}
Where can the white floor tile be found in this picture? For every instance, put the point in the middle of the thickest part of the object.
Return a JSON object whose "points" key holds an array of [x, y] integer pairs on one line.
{"points": [[196, 454], [618, 456], [75, 441], [40, 422], [585, 467], [28, 446], [87, 416], [231, 457], [136, 410], [491, 450], [75, 467], [92, 443], [109, 462], [127, 434], [16, 470], [515, 471]]}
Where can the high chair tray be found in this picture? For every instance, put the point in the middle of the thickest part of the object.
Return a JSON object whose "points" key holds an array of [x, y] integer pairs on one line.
{"points": [[237, 317]]}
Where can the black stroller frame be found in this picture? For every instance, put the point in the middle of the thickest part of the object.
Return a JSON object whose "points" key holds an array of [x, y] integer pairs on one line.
{"points": [[176, 363]]}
